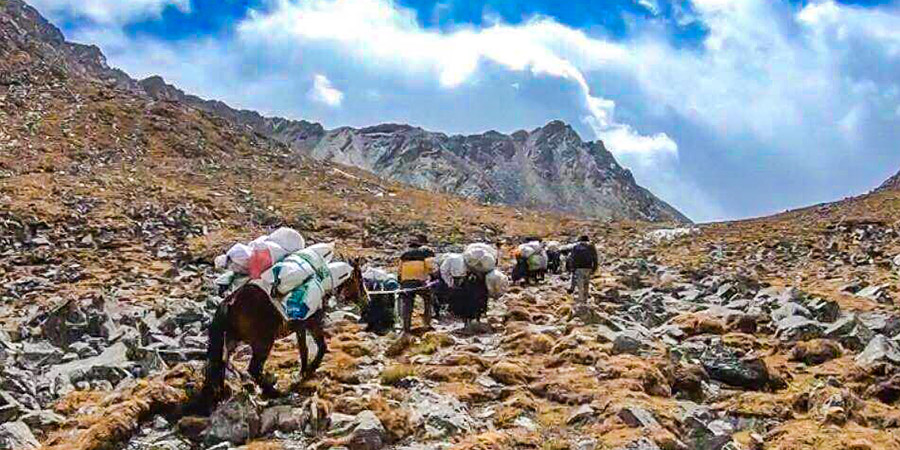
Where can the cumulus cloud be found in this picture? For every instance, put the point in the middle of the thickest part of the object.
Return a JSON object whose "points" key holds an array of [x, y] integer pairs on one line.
{"points": [[323, 92], [107, 11], [779, 105]]}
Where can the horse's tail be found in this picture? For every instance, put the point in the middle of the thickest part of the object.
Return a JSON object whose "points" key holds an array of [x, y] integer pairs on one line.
{"points": [[215, 354]]}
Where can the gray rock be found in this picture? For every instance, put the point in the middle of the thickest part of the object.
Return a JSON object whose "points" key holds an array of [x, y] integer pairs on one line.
{"points": [[798, 328], [708, 436], [282, 418], [850, 332], [880, 350], [17, 436], [790, 309], [585, 444], [637, 417], [35, 355], [42, 420], [640, 444], [881, 322], [725, 365], [10, 408], [824, 310], [876, 293], [440, 415], [368, 432], [780, 295], [112, 365], [630, 342], [582, 414], [235, 421]]}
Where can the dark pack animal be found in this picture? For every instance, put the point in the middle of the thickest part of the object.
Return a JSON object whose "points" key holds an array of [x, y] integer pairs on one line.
{"points": [[249, 315]]}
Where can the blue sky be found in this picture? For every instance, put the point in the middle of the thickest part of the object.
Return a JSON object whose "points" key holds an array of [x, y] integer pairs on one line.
{"points": [[726, 109]]}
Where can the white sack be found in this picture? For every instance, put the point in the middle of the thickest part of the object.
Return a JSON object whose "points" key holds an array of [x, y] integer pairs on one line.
{"points": [[238, 258], [304, 301], [497, 283], [480, 258], [324, 250], [288, 239], [454, 266], [339, 272]]}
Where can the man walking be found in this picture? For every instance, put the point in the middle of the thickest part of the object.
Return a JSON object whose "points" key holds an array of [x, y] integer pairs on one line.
{"points": [[584, 263], [415, 268]]}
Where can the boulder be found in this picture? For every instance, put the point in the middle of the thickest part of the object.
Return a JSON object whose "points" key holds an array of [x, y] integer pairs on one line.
{"points": [[880, 350], [112, 365], [824, 310], [235, 421], [636, 417], [881, 322], [816, 351], [368, 432], [282, 418], [17, 436], [790, 309], [798, 328], [582, 414], [630, 342], [703, 435], [725, 365], [850, 332]]}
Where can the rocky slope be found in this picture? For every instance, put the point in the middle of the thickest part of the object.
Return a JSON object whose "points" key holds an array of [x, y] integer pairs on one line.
{"points": [[891, 183], [545, 168], [777, 333]]}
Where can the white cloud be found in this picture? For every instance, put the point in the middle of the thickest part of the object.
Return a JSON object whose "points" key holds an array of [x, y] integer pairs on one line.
{"points": [[541, 47], [758, 118], [323, 92], [108, 11]]}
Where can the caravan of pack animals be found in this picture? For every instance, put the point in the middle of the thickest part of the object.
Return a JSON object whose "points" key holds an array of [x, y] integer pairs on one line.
{"points": [[174, 275]]}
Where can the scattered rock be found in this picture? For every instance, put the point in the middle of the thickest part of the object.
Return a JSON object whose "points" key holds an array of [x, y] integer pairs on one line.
{"points": [[724, 365], [17, 436], [368, 432], [816, 351], [880, 350], [235, 421], [798, 328]]}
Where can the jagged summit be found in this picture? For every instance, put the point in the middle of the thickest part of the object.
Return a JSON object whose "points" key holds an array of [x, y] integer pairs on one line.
{"points": [[549, 167]]}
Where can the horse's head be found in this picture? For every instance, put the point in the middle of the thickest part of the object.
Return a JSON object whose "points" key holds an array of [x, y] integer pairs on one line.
{"points": [[353, 290]]}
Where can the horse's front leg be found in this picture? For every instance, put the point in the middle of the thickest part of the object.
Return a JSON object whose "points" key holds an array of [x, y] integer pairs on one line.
{"points": [[257, 365], [321, 347], [302, 348]]}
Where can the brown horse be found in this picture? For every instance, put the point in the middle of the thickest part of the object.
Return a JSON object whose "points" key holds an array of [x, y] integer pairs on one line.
{"points": [[248, 315]]}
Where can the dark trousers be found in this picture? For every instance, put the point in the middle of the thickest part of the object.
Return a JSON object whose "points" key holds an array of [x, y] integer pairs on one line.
{"points": [[407, 303]]}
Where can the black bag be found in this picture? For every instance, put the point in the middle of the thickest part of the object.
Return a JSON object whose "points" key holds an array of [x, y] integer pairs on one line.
{"points": [[583, 256]]}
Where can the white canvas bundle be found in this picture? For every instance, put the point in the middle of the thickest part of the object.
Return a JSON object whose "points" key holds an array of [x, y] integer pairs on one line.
{"points": [[454, 266], [311, 256], [553, 246], [323, 250], [292, 272], [537, 261], [339, 272], [310, 294], [480, 258], [497, 283], [526, 250], [374, 273], [288, 239], [238, 258]]}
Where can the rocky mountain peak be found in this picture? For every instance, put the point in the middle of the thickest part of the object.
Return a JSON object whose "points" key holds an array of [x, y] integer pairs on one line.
{"points": [[892, 183]]}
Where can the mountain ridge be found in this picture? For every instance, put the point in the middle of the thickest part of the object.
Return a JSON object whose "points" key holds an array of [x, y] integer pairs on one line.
{"points": [[518, 169]]}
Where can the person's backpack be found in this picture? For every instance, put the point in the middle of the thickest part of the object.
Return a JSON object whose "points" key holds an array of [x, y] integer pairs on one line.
{"points": [[582, 257]]}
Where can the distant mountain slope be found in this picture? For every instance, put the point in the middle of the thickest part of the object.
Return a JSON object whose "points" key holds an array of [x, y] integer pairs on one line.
{"points": [[892, 183], [546, 168]]}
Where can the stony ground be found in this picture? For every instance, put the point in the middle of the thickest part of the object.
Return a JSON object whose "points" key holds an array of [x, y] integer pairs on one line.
{"points": [[776, 333]]}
